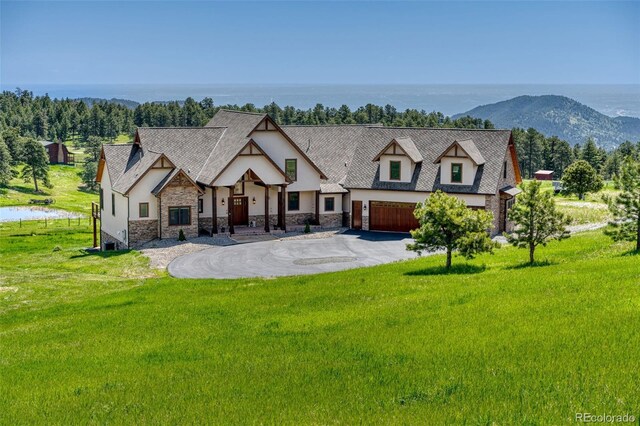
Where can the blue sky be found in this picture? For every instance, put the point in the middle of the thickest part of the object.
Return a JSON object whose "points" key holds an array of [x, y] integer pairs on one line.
{"points": [[91, 42]]}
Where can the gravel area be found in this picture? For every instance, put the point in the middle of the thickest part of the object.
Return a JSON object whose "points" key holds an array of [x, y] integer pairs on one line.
{"points": [[162, 252]]}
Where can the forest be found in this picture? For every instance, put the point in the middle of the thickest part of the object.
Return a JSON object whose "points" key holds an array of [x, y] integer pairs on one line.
{"points": [[88, 125]]}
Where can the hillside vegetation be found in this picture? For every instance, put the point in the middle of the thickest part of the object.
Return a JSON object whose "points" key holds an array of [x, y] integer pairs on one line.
{"points": [[559, 116], [98, 338]]}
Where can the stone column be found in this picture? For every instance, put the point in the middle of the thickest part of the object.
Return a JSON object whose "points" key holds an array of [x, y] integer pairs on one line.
{"points": [[214, 211], [317, 207], [230, 210]]}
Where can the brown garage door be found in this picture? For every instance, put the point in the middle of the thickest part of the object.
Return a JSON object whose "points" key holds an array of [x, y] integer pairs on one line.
{"points": [[388, 216]]}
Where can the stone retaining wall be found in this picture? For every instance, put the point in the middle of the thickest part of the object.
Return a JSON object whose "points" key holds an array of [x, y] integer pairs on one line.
{"points": [[107, 238], [331, 220]]}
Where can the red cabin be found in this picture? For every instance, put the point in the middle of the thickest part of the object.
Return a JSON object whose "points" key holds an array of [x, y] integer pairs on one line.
{"points": [[58, 152], [543, 175]]}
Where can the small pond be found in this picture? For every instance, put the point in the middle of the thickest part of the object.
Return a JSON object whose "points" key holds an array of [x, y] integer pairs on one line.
{"points": [[14, 214]]}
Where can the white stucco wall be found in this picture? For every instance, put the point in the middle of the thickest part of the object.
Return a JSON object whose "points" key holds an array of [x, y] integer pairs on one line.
{"points": [[406, 167], [279, 149], [115, 225], [259, 164], [307, 202], [337, 203], [365, 196], [141, 193]]}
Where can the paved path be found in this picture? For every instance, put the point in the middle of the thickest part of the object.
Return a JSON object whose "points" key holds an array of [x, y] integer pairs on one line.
{"points": [[294, 257]]}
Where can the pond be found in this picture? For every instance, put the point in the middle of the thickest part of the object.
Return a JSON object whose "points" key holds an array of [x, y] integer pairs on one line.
{"points": [[14, 214]]}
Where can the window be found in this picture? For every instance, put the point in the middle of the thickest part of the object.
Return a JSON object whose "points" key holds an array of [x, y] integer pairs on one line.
{"points": [[293, 201], [179, 216], [329, 204], [504, 170], [394, 170], [101, 199], [200, 205], [509, 204], [291, 168], [143, 209], [113, 204], [456, 173]]}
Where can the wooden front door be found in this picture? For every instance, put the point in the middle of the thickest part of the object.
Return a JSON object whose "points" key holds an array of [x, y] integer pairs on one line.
{"points": [[240, 211], [356, 214], [392, 216]]}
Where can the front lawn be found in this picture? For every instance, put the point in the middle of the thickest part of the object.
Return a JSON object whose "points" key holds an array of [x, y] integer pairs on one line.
{"points": [[93, 338]]}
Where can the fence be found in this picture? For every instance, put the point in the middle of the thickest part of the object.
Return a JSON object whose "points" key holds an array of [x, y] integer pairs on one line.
{"points": [[82, 224]]}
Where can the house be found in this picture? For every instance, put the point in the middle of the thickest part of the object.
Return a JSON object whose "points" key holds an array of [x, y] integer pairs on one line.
{"points": [[543, 175], [58, 152], [243, 169]]}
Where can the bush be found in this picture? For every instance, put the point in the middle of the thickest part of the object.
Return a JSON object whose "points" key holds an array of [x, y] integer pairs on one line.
{"points": [[181, 236], [307, 228]]}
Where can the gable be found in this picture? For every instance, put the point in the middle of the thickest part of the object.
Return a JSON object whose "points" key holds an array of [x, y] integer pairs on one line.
{"points": [[251, 157]]}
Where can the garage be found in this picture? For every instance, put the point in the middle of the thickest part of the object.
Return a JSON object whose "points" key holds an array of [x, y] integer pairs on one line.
{"points": [[392, 216]]}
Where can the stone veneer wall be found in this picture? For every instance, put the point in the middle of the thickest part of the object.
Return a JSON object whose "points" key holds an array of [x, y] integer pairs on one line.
{"points": [[300, 218], [108, 238], [179, 193], [365, 223], [142, 231], [205, 224], [331, 220]]}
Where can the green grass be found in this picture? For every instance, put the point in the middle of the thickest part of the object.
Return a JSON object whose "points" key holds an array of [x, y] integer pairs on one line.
{"points": [[90, 338], [68, 191]]}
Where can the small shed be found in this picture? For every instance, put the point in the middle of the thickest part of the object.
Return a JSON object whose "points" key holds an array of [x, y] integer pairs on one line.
{"points": [[543, 175], [58, 152]]}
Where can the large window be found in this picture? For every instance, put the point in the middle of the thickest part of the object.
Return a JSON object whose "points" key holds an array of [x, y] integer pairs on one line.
{"points": [[504, 170], [143, 209], [394, 170], [329, 204], [113, 204], [101, 199], [200, 205], [293, 201], [179, 216], [291, 168], [456, 173]]}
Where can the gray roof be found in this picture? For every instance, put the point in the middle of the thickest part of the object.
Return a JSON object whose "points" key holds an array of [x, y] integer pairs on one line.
{"points": [[332, 188], [472, 151], [431, 143], [46, 143], [117, 157], [407, 145]]}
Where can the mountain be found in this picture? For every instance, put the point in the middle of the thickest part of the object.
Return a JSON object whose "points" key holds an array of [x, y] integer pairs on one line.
{"points": [[560, 116], [124, 102]]}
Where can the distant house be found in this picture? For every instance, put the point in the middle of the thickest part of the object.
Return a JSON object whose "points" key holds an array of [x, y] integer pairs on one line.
{"points": [[58, 152], [543, 175], [244, 170]]}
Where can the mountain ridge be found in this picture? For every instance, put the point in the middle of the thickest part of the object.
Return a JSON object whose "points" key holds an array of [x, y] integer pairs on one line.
{"points": [[555, 115]]}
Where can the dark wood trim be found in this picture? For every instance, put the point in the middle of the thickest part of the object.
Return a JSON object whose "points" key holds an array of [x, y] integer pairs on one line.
{"points": [[234, 188], [461, 175], [180, 172], [317, 207], [325, 204], [399, 165], [393, 144], [140, 210], [214, 211], [266, 208], [178, 207], [230, 209], [147, 171], [282, 223]]}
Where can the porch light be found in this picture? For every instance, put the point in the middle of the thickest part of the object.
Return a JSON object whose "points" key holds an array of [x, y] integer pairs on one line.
{"points": [[223, 201], [364, 207], [254, 200]]}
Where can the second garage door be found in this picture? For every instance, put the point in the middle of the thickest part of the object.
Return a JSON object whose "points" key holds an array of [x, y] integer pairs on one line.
{"points": [[389, 216]]}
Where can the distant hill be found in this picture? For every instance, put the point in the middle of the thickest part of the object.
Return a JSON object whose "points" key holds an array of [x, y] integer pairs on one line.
{"points": [[559, 116], [124, 102]]}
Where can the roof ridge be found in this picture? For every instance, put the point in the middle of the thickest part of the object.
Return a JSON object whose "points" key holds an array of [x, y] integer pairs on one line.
{"points": [[437, 128], [210, 154], [242, 112], [185, 127]]}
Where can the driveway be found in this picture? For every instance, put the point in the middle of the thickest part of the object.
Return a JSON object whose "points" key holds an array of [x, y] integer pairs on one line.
{"points": [[276, 258]]}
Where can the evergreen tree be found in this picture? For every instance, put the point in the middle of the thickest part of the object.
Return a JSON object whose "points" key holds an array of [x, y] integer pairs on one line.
{"points": [[6, 173], [93, 148], [591, 155], [88, 174], [580, 178], [447, 223], [36, 163], [536, 219], [625, 207], [14, 144]]}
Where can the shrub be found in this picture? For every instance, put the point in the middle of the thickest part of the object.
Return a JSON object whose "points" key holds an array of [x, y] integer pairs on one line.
{"points": [[307, 228], [181, 236]]}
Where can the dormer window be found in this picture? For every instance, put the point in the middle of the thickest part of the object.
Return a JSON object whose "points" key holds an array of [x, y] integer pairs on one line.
{"points": [[395, 168], [456, 172]]}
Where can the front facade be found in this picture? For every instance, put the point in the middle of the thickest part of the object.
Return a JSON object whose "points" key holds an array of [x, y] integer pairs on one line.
{"points": [[242, 170]]}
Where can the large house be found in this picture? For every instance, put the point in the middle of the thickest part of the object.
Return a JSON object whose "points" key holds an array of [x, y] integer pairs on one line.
{"points": [[242, 169]]}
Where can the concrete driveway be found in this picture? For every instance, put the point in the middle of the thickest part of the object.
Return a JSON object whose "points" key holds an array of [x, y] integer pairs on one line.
{"points": [[294, 257]]}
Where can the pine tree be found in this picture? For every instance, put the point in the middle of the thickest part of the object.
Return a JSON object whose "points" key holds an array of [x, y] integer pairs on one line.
{"points": [[447, 223], [536, 219], [6, 173], [36, 165], [625, 207], [581, 178]]}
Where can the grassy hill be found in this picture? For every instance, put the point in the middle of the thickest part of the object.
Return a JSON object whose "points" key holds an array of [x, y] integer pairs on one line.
{"points": [[560, 116], [99, 338]]}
